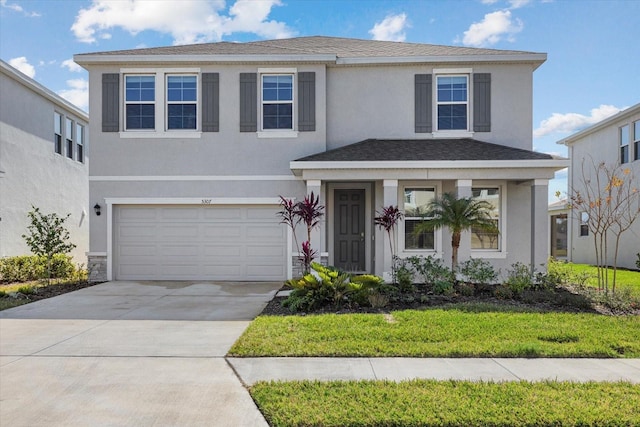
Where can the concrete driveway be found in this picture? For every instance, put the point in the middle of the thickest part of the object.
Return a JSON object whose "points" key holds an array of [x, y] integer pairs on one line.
{"points": [[129, 353]]}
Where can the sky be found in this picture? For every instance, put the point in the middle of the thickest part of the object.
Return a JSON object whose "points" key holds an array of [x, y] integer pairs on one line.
{"points": [[593, 47]]}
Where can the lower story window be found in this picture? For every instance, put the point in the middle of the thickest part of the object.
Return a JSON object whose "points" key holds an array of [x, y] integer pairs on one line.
{"points": [[584, 224], [415, 206], [483, 239]]}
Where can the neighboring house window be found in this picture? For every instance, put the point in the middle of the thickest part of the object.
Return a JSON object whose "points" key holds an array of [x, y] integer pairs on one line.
{"points": [[624, 144], [182, 97], [80, 143], [636, 140], [57, 137], [68, 133], [452, 102], [140, 102], [482, 239], [277, 101], [415, 205], [584, 223]]}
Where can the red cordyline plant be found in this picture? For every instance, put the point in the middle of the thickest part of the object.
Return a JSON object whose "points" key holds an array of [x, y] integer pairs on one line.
{"points": [[387, 220], [308, 211]]}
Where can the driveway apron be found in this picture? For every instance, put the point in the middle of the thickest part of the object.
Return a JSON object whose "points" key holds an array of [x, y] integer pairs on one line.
{"points": [[129, 354]]}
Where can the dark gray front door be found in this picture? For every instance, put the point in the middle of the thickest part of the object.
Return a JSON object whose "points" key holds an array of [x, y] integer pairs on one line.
{"points": [[349, 230]]}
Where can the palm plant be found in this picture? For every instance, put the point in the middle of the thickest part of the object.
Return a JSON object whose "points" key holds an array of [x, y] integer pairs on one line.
{"points": [[458, 215]]}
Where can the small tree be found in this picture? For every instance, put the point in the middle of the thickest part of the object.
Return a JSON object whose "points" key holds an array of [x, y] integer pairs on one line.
{"points": [[458, 215], [387, 220], [610, 197], [47, 236], [308, 211]]}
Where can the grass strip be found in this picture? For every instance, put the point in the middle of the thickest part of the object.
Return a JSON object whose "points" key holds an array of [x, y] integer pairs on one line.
{"points": [[447, 403], [460, 330]]}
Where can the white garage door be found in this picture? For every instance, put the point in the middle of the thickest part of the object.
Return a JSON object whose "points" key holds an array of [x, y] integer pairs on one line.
{"points": [[199, 243]]}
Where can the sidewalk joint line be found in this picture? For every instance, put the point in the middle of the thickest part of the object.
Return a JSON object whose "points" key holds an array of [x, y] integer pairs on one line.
{"points": [[506, 369]]}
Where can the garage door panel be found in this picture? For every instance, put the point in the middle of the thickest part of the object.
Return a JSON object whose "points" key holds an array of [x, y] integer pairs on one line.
{"points": [[222, 213], [199, 243], [223, 231]]}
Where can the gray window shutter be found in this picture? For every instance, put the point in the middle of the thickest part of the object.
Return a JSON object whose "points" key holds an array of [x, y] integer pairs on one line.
{"points": [[110, 103], [248, 102], [424, 106], [482, 102], [210, 102], [306, 101]]}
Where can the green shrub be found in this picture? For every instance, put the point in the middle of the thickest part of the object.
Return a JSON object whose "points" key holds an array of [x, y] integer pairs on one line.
{"points": [[638, 260], [27, 290], [431, 269], [520, 277], [328, 286], [466, 289], [404, 274], [32, 267], [478, 271], [443, 287], [503, 292]]}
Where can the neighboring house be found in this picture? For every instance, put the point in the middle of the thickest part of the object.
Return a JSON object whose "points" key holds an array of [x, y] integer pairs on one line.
{"points": [[558, 225], [614, 141], [44, 162], [193, 145]]}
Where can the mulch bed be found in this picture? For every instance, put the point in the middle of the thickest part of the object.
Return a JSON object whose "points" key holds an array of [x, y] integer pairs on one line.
{"points": [[422, 297], [54, 290]]}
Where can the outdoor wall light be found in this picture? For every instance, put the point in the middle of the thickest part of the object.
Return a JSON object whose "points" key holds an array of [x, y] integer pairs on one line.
{"points": [[97, 209]]}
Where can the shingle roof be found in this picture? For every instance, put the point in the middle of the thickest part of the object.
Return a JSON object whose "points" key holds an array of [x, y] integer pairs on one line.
{"points": [[424, 150], [314, 45]]}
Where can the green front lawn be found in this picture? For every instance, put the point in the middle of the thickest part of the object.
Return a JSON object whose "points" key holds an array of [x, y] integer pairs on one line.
{"points": [[462, 330], [447, 403], [624, 278]]}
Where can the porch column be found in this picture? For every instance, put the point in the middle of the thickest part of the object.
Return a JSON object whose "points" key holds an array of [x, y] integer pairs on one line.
{"points": [[463, 189], [390, 198], [539, 223], [315, 186]]}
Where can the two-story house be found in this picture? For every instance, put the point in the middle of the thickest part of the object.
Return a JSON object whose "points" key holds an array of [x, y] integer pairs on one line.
{"points": [[193, 145], [614, 141], [43, 162]]}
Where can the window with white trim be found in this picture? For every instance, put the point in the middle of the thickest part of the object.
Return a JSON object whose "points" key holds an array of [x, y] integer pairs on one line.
{"points": [[483, 239], [452, 99], [80, 143], [182, 102], [624, 144], [140, 97], [68, 133], [277, 101], [416, 200], [584, 224], [636, 140], [57, 132]]}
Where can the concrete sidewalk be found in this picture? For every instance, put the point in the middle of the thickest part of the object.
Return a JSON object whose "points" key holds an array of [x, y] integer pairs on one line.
{"points": [[251, 370]]}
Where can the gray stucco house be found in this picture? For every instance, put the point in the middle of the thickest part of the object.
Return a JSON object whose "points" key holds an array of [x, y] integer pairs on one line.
{"points": [[43, 162], [614, 141], [193, 145]]}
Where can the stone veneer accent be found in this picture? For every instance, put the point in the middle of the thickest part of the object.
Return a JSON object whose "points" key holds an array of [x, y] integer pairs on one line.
{"points": [[297, 265], [97, 267]]}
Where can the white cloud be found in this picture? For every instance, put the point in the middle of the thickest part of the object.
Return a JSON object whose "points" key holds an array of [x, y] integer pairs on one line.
{"points": [[573, 122], [391, 28], [494, 27], [17, 8], [188, 21], [517, 4], [22, 65], [77, 93], [71, 66]]}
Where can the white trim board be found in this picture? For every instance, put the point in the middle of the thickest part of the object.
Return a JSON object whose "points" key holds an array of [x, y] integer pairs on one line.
{"points": [[195, 178]]}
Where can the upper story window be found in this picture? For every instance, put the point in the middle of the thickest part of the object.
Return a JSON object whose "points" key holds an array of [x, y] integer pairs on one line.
{"points": [[624, 144], [80, 143], [482, 239], [584, 224], [277, 101], [416, 201], [452, 97], [636, 140], [182, 99], [68, 132], [57, 129], [140, 96]]}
